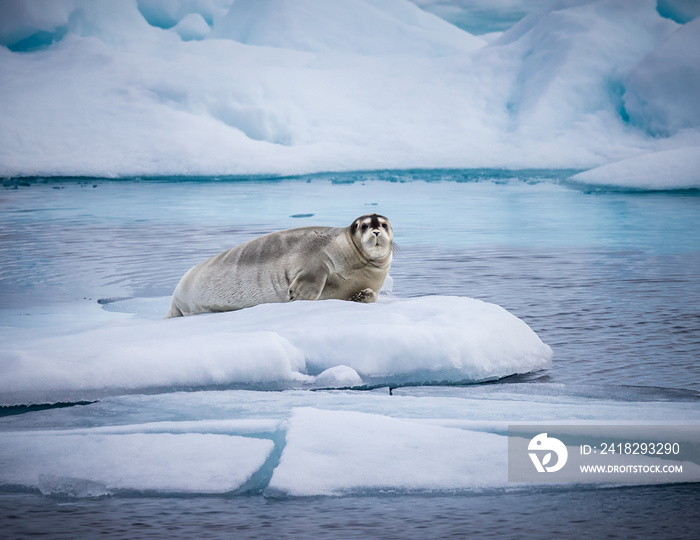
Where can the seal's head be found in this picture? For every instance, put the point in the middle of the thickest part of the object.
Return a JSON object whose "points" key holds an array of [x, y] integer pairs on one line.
{"points": [[373, 236]]}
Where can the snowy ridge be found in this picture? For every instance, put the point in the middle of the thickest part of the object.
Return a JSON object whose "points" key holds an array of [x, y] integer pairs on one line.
{"points": [[327, 344], [278, 87]]}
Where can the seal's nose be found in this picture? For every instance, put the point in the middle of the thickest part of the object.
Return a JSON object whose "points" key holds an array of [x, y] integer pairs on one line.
{"points": [[376, 232]]}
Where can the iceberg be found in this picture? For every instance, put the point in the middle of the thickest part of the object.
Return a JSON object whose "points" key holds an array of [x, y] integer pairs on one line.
{"points": [[193, 88], [423, 340]]}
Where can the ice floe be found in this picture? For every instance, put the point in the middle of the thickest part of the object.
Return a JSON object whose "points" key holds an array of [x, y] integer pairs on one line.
{"points": [[672, 169], [299, 344]]}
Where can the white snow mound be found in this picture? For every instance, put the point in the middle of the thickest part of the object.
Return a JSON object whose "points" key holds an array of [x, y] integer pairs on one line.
{"points": [[394, 341]]}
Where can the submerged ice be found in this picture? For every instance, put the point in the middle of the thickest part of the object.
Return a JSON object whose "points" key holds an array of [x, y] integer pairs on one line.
{"points": [[86, 464], [300, 443], [335, 452], [220, 88]]}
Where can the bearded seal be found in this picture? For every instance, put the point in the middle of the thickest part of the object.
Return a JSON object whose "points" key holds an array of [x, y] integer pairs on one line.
{"points": [[308, 263]]}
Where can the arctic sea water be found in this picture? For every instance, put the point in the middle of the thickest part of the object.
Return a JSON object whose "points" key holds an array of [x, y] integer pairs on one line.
{"points": [[607, 278]]}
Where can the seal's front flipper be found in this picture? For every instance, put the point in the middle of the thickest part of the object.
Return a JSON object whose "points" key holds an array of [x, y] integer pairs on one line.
{"points": [[307, 286], [365, 296]]}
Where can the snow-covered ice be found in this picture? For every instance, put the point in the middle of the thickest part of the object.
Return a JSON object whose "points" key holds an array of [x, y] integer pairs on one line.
{"points": [[276, 87], [672, 169], [300, 344]]}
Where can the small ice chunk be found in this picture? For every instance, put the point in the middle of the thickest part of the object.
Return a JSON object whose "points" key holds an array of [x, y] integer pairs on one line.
{"points": [[339, 377]]}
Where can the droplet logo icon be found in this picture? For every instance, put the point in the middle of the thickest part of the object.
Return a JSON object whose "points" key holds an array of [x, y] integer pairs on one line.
{"points": [[541, 444]]}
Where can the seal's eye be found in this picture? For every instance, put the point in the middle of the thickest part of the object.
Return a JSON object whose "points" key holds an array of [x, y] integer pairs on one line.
{"points": [[385, 226], [364, 227]]}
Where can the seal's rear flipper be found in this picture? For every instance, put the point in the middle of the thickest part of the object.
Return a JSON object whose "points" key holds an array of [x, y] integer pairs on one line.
{"points": [[174, 311]]}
